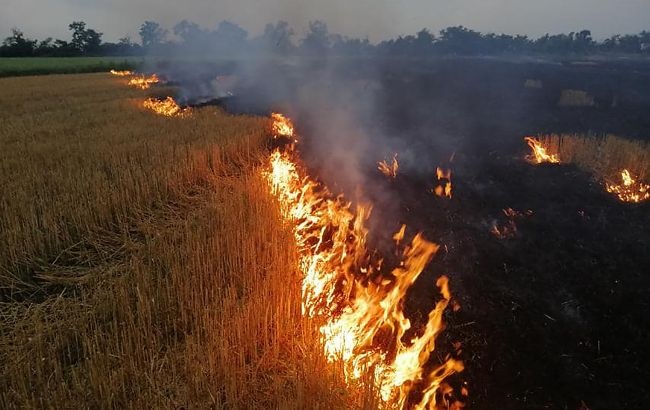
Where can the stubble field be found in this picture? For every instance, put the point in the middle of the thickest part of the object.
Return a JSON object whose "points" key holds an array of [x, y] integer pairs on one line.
{"points": [[143, 263]]}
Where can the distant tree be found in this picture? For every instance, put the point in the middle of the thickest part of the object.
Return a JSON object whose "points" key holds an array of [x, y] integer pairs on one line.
{"points": [[424, 42], [152, 34], [188, 31], [17, 45], [228, 38], [86, 41], [45, 47], [277, 37], [461, 40], [317, 40], [124, 47], [351, 46], [230, 33]]}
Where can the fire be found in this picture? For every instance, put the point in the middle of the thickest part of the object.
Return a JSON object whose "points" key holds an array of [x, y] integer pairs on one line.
{"points": [[629, 190], [144, 82], [122, 73], [539, 153], [444, 189], [282, 126], [166, 107], [360, 307], [389, 170]]}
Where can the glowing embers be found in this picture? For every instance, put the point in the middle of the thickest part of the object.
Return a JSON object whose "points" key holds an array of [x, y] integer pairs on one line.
{"points": [[282, 126], [444, 186], [629, 189], [167, 107], [121, 73], [360, 307], [144, 82], [539, 152], [508, 229]]}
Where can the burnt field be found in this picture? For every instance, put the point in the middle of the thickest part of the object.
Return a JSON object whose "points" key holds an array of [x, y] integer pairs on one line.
{"points": [[551, 271]]}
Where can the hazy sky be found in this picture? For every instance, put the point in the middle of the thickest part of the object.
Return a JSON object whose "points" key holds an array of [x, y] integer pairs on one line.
{"points": [[376, 19]]}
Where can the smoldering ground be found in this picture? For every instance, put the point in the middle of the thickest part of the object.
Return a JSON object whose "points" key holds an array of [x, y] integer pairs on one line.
{"points": [[535, 307]]}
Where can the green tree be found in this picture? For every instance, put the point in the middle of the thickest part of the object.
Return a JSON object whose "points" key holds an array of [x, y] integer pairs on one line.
{"points": [[86, 41], [152, 34], [17, 45]]}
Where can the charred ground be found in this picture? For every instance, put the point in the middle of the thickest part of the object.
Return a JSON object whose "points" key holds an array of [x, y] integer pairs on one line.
{"points": [[555, 314]]}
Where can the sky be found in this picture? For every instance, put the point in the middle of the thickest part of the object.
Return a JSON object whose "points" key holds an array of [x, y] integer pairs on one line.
{"points": [[374, 19]]}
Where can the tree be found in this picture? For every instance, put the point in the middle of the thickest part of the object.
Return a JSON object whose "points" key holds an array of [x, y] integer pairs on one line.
{"points": [[317, 40], [188, 31], [277, 37], [461, 40], [230, 33], [17, 45], [152, 34], [86, 41]]}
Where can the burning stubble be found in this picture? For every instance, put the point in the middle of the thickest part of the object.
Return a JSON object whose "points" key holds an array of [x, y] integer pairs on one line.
{"points": [[609, 158], [354, 309]]}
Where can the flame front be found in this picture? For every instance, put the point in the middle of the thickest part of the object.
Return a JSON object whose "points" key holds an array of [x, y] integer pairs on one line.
{"points": [[360, 308], [166, 107], [143, 82], [539, 154], [629, 190], [121, 73], [389, 170], [282, 126]]}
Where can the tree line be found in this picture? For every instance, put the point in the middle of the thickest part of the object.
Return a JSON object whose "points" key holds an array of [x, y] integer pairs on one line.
{"points": [[279, 38]]}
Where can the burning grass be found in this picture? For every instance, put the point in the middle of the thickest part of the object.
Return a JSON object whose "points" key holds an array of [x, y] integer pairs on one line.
{"points": [[443, 186], [166, 107], [144, 262], [623, 165], [122, 73], [361, 307], [144, 82]]}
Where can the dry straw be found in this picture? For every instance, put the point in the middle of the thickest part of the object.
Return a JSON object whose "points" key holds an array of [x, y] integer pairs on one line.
{"points": [[143, 264], [604, 156]]}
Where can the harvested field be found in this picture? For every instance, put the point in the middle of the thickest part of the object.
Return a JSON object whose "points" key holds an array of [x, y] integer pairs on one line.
{"points": [[143, 262]]}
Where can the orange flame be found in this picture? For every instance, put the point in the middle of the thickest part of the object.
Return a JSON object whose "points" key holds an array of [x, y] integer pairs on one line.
{"points": [[166, 107], [122, 73], [282, 126], [629, 190], [143, 82], [444, 178], [338, 288], [389, 170], [539, 154]]}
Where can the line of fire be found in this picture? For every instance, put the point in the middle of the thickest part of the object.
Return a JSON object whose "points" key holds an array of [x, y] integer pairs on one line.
{"points": [[388, 270]]}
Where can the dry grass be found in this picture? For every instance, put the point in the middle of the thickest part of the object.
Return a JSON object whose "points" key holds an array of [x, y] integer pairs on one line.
{"points": [[143, 262], [605, 156]]}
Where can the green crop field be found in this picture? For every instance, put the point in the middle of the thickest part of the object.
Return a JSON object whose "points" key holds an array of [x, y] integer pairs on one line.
{"points": [[18, 66]]}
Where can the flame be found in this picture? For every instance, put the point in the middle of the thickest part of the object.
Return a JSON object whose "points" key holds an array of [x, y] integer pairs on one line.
{"points": [[166, 107], [539, 153], [629, 190], [399, 235], [389, 170], [361, 309], [122, 73], [444, 178], [144, 82], [282, 126]]}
